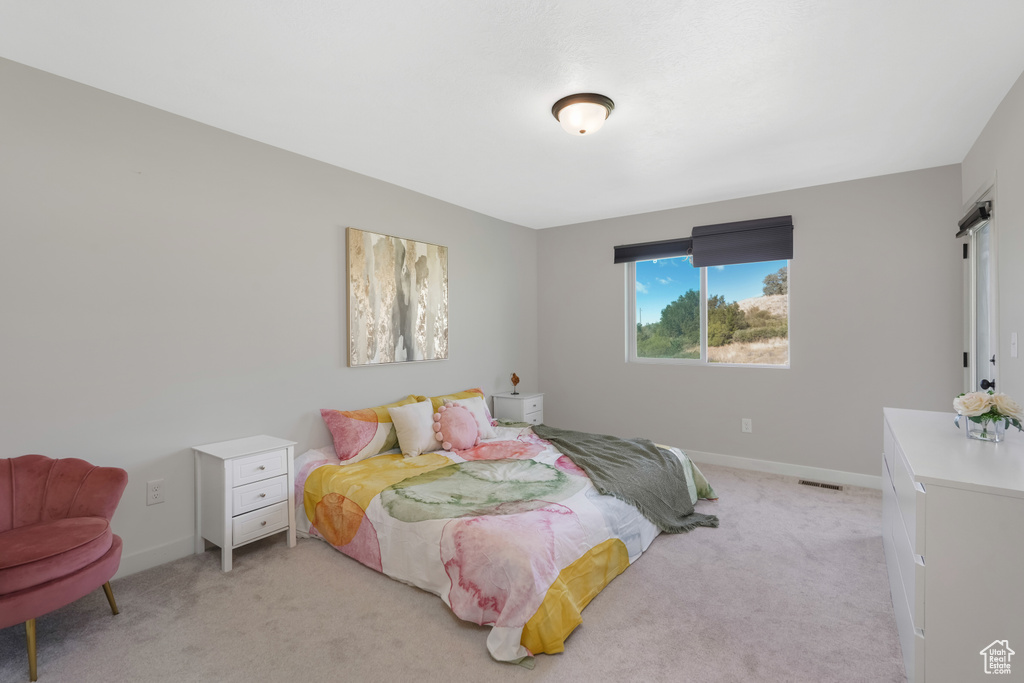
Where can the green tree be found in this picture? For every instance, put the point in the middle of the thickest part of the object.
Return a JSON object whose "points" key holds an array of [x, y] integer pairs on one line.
{"points": [[723, 320], [656, 346], [777, 283], [681, 318]]}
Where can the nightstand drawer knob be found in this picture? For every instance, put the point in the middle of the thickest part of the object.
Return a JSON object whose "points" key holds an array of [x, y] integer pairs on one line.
{"points": [[262, 467], [263, 495], [263, 523]]}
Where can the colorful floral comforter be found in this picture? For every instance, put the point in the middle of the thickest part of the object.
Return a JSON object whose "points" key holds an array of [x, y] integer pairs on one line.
{"points": [[509, 533]]}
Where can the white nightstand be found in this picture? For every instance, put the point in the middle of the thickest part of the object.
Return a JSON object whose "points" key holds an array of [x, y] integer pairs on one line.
{"points": [[520, 407], [244, 492]]}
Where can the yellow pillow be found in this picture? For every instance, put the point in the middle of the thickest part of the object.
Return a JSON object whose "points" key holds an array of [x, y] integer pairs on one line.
{"points": [[438, 401]]}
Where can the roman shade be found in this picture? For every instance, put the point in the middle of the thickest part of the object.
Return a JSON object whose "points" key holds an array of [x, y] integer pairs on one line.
{"points": [[761, 239]]}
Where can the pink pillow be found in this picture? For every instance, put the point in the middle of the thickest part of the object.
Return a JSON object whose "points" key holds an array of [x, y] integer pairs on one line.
{"points": [[456, 428], [360, 434]]}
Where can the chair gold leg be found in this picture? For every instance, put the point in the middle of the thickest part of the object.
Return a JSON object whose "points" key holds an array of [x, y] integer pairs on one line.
{"points": [[30, 637], [110, 597]]}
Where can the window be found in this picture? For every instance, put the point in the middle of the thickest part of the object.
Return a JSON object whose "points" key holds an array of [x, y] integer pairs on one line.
{"points": [[734, 314], [720, 295]]}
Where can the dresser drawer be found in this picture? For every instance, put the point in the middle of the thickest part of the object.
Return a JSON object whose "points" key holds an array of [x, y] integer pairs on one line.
{"points": [[888, 447], [901, 610], [912, 572], [911, 498], [534, 418], [258, 467], [258, 494], [890, 507], [253, 525]]}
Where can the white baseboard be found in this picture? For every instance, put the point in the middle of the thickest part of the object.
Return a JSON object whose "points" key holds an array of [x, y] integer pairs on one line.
{"points": [[819, 474], [153, 557]]}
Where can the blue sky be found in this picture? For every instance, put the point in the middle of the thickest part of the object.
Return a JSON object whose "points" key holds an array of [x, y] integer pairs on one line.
{"points": [[659, 283]]}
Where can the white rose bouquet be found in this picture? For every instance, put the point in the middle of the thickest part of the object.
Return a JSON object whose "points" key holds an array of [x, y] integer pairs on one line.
{"points": [[987, 406]]}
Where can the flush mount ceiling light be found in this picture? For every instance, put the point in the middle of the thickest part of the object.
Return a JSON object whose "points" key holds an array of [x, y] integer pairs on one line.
{"points": [[583, 113]]}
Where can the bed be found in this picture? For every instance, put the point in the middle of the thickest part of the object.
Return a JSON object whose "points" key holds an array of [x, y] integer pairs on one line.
{"points": [[509, 533]]}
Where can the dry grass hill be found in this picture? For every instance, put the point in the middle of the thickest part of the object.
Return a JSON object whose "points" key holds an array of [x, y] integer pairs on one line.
{"points": [[768, 352], [776, 304]]}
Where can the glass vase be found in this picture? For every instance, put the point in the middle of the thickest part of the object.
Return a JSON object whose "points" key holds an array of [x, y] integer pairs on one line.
{"points": [[989, 430]]}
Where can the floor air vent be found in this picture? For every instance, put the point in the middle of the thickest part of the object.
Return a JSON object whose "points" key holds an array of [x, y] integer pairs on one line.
{"points": [[834, 487]]}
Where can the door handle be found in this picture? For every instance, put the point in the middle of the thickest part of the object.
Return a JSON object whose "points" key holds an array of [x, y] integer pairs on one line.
{"points": [[985, 384]]}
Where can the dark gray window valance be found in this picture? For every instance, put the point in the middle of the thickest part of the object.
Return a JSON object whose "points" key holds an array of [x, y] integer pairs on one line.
{"points": [[761, 239], [647, 251], [977, 217]]}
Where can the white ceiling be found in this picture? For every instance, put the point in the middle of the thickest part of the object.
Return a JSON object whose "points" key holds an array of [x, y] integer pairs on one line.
{"points": [[452, 98]]}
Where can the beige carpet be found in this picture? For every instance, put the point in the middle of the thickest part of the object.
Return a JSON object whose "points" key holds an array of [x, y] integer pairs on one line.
{"points": [[791, 587]]}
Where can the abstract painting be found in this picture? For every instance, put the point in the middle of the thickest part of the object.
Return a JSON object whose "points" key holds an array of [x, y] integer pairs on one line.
{"points": [[397, 299]]}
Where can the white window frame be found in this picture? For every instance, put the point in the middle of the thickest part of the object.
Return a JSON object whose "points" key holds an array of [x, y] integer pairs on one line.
{"points": [[631, 322]]}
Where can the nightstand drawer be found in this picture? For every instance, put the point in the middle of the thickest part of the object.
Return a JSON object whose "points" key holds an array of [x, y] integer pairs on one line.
{"points": [[519, 407], [253, 525], [258, 467], [258, 495]]}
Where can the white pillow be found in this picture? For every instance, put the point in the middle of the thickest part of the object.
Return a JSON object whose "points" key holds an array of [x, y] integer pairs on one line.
{"points": [[414, 424], [477, 406]]}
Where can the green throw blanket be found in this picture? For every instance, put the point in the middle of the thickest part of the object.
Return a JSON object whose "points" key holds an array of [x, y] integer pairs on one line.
{"points": [[635, 471]]}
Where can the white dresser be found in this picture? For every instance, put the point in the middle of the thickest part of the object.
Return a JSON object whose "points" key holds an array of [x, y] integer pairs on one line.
{"points": [[244, 492], [953, 532], [519, 407]]}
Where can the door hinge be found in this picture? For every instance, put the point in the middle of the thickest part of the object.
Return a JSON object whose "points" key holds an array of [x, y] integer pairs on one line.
{"points": [[965, 249], [966, 364]]}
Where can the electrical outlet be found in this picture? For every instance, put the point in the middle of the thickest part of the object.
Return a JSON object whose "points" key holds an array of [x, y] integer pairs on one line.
{"points": [[747, 425], [154, 492]]}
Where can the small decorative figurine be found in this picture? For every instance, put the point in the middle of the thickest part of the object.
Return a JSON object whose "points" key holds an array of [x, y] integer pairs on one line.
{"points": [[515, 381]]}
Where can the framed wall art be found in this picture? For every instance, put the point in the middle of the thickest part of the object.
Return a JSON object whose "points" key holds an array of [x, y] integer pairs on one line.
{"points": [[397, 299]]}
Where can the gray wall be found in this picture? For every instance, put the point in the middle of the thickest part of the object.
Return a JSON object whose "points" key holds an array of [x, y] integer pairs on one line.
{"points": [[165, 284], [997, 158], [875, 320]]}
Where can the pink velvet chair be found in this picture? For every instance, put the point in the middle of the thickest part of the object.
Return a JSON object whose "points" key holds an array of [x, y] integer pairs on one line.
{"points": [[55, 540]]}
